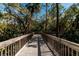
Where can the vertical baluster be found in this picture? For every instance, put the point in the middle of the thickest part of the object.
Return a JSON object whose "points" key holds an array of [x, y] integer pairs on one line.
{"points": [[52, 42], [16, 47], [25, 40], [71, 51], [22, 42], [5, 51], [11, 50], [61, 49], [8, 50], [19, 44], [1, 52], [77, 53], [54, 45], [65, 50], [68, 51]]}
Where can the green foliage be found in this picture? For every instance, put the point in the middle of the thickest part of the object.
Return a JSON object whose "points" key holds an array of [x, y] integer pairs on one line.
{"points": [[7, 32], [22, 17], [68, 20]]}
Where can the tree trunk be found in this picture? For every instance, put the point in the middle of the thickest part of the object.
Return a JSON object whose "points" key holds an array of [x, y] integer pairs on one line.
{"points": [[46, 18], [30, 23], [57, 23]]}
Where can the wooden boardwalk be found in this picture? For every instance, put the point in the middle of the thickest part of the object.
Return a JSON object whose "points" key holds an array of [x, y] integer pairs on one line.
{"points": [[32, 48]]}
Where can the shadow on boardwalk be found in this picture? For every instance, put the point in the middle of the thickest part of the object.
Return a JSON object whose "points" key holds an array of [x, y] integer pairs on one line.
{"points": [[35, 47]]}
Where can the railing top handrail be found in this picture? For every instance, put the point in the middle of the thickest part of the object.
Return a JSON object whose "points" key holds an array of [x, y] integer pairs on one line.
{"points": [[70, 44], [13, 40]]}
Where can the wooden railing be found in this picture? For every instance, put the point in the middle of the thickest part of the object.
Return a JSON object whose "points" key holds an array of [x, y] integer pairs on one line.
{"points": [[61, 46], [12, 46]]}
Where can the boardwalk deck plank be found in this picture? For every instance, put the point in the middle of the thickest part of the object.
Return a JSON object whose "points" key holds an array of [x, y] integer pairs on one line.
{"points": [[31, 48]]}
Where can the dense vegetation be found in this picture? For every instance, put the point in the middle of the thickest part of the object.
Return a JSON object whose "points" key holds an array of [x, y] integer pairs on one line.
{"points": [[21, 18]]}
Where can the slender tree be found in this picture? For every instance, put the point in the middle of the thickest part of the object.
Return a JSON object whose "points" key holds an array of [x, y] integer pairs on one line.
{"points": [[46, 18], [57, 23], [33, 8]]}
